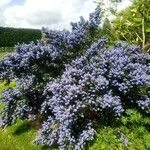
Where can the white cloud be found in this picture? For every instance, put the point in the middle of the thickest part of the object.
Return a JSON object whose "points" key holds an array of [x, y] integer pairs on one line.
{"points": [[4, 2], [2, 18], [52, 13], [44, 17], [124, 4]]}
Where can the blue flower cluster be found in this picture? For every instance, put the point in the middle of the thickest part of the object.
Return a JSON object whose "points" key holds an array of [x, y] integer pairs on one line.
{"points": [[72, 81], [144, 104], [11, 110]]}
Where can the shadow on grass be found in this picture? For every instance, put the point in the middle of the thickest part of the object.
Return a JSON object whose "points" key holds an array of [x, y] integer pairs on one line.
{"points": [[24, 127], [46, 147]]}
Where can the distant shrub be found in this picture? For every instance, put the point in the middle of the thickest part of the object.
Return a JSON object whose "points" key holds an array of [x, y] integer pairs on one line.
{"points": [[73, 81], [9, 37]]}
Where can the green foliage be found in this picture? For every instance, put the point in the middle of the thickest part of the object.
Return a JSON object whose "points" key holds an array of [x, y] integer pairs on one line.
{"points": [[107, 31], [134, 119], [6, 49], [9, 37], [133, 24], [106, 139], [106, 26], [131, 133]]}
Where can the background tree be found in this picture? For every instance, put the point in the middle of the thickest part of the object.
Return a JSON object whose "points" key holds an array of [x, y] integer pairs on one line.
{"points": [[108, 11], [133, 24]]}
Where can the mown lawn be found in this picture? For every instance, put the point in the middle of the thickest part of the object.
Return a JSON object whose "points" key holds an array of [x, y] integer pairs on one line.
{"points": [[2, 54], [18, 137]]}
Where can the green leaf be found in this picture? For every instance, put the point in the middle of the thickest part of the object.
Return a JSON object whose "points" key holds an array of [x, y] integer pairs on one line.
{"points": [[148, 29], [137, 19]]}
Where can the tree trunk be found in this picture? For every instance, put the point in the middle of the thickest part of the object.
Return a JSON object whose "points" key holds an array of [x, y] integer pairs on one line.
{"points": [[143, 32]]}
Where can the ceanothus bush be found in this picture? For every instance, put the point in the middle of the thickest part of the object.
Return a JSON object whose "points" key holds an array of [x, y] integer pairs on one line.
{"points": [[73, 80], [100, 81], [35, 64]]}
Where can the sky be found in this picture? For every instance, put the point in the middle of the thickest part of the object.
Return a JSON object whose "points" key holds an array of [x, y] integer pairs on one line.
{"points": [[56, 14]]}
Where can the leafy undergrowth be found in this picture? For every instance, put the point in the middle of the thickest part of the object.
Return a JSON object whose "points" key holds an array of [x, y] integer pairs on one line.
{"points": [[110, 139], [132, 133]]}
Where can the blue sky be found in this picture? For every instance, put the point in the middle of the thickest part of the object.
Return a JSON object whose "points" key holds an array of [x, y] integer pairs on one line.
{"points": [[8, 3], [51, 13], [16, 2]]}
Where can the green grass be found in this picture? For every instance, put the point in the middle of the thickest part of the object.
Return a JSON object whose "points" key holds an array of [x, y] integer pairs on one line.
{"points": [[3, 86], [2, 54], [18, 137]]}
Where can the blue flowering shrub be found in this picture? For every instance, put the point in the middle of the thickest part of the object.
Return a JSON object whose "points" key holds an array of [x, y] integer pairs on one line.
{"points": [[35, 64], [72, 82]]}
